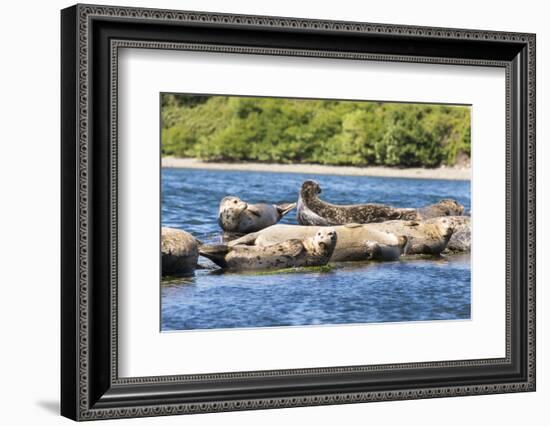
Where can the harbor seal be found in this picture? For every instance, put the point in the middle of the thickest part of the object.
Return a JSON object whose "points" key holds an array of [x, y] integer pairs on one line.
{"points": [[425, 237], [179, 251], [461, 240], [446, 207], [312, 251], [314, 211], [237, 216], [353, 242]]}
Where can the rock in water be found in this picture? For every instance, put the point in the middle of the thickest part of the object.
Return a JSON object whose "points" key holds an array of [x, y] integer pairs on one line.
{"points": [[314, 211], [237, 216], [311, 251], [353, 242], [179, 250]]}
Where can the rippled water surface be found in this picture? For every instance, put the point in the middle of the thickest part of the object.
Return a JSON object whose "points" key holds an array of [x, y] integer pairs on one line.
{"points": [[404, 290]]}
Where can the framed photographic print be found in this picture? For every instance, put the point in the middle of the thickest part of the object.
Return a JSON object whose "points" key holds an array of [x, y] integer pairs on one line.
{"points": [[263, 212]]}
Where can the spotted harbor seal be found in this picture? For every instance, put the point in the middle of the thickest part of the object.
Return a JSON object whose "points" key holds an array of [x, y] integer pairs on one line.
{"points": [[425, 237], [314, 211], [179, 251], [237, 216], [312, 251], [353, 242], [461, 240]]}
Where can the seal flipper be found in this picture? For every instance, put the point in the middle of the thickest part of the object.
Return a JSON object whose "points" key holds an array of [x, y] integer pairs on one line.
{"points": [[252, 209], [377, 251], [283, 209], [404, 243], [292, 248], [373, 250], [216, 253], [248, 240]]}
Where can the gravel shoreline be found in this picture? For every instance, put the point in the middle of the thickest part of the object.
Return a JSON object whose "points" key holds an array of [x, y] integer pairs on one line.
{"points": [[448, 173]]}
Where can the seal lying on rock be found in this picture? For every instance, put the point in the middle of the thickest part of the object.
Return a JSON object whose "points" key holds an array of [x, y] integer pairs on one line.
{"points": [[425, 237], [461, 240], [313, 211], [236, 216], [312, 251], [179, 251], [353, 242]]}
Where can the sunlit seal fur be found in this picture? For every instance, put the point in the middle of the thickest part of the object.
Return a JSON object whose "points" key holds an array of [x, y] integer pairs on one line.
{"points": [[446, 207], [354, 242], [314, 211], [239, 217], [461, 240], [179, 251], [424, 237], [312, 251]]}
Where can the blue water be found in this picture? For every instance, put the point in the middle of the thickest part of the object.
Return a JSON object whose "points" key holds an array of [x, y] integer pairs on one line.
{"points": [[404, 290]]}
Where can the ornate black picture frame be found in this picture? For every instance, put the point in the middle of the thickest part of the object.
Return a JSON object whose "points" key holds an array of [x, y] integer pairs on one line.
{"points": [[91, 36]]}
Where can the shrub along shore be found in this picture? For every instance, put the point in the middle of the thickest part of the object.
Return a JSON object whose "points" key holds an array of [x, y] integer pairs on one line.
{"points": [[324, 132]]}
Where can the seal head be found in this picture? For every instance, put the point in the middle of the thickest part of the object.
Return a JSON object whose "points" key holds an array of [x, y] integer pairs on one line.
{"points": [[322, 243], [309, 189], [230, 210]]}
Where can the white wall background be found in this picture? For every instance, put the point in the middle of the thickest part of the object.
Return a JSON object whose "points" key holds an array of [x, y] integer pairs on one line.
{"points": [[29, 225]]}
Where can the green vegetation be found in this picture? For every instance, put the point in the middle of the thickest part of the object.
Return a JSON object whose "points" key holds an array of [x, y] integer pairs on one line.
{"points": [[231, 128]]}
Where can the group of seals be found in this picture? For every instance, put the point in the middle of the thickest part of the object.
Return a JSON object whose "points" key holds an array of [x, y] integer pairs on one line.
{"points": [[353, 242], [314, 211], [327, 232]]}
